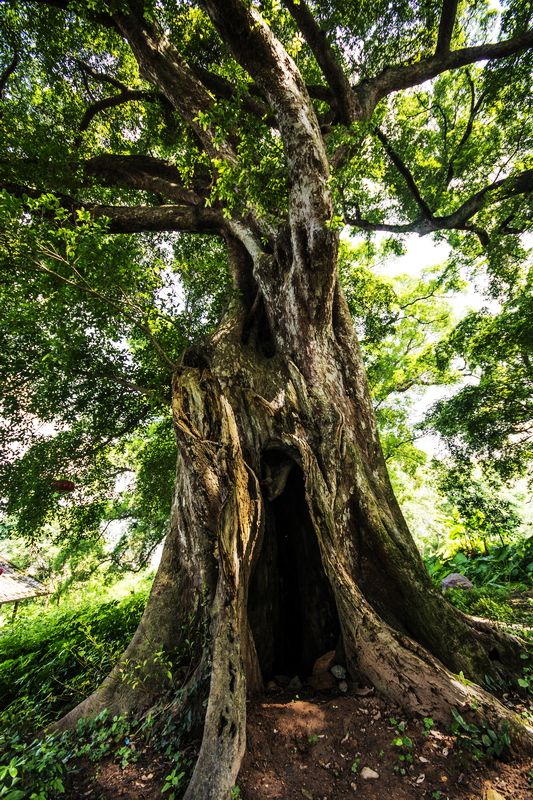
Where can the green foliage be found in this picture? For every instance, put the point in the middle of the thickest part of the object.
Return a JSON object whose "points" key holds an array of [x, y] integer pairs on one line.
{"points": [[355, 765], [480, 510], [178, 778], [39, 769], [49, 663], [400, 323], [502, 565], [481, 741], [490, 416], [480, 603], [405, 746]]}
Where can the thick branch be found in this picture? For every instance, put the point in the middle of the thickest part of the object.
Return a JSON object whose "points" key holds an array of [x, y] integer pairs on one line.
{"points": [[277, 76], [145, 173], [394, 79], [8, 72], [135, 219], [522, 183], [161, 64], [446, 25], [153, 219], [326, 59]]}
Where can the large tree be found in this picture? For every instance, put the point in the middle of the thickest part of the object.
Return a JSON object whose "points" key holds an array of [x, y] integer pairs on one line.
{"points": [[268, 126]]}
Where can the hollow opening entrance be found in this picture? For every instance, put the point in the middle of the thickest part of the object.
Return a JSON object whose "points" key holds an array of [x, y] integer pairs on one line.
{"points": [[291, 607]]}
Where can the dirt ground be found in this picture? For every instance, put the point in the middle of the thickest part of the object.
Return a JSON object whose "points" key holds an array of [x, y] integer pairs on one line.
{"points": [[317, 748], [314, 746]]}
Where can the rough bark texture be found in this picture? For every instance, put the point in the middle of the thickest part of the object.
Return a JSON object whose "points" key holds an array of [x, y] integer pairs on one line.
{"points": [[285, 533]]}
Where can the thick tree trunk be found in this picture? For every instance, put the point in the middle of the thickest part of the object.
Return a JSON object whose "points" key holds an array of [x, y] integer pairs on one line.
{"points": [[286, 536]]}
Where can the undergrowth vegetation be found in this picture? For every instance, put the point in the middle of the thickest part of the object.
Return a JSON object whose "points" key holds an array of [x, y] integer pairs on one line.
{"points": [[49, 662], [52, 658]]}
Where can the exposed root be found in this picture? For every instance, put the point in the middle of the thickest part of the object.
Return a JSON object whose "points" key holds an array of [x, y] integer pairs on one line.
{"points": [[407, 674]]}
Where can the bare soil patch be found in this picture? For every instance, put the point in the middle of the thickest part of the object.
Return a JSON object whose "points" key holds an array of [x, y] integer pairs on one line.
{"points": [[316, 747], [313, 746]]}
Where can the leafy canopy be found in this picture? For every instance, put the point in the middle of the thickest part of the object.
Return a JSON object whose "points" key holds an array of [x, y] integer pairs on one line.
{"points": [[119, 177]]}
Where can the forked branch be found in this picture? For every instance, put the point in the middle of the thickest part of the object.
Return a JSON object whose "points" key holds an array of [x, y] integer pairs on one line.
{"points": [[394, 79], [326, 58], [514, 185]]}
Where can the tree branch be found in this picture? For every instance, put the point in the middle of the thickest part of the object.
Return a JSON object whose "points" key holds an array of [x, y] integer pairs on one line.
{"points": [[161, 64], [126, 96], [393, 79], [154, 219], [446, 25], [327, 60], [514, 185], [135, 219], [100, 77], [474, 108], [404, 172], [8, 72], [267, 62], [145, 173]]}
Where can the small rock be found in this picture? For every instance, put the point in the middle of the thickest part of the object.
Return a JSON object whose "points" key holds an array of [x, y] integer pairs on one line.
{"points": [[354, 786], [368, 774], [343, 687], [423, 760], [324, 663], [456, 581], [282, 680], [294, 684], [338, 671], [421, 778], [271, 686], [306, 793], [492, 794]]}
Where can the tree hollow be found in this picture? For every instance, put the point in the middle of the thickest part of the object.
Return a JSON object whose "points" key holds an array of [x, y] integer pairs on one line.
{"points": [[291, 606]]}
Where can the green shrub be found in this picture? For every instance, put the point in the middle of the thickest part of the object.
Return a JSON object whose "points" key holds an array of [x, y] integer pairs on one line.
{"points": [[509, 563], [50, 663]]}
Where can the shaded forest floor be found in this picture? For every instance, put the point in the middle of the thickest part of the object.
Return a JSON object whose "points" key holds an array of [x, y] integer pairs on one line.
{"points": [[316, 746]]}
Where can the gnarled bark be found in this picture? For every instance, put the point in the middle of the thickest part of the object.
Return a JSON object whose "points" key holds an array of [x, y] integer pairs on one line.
{"points": [[285, 528], [285, 534]]}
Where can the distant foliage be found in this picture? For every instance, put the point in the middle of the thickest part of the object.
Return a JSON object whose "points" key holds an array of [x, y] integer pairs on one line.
{"points": [[510, 563]]}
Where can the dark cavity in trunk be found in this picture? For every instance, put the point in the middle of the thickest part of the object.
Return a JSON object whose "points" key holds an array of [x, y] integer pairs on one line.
{"points": [[291, 607]]}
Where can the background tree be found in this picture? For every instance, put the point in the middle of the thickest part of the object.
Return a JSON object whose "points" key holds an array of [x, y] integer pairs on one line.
{"points": [[268, 127]]}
